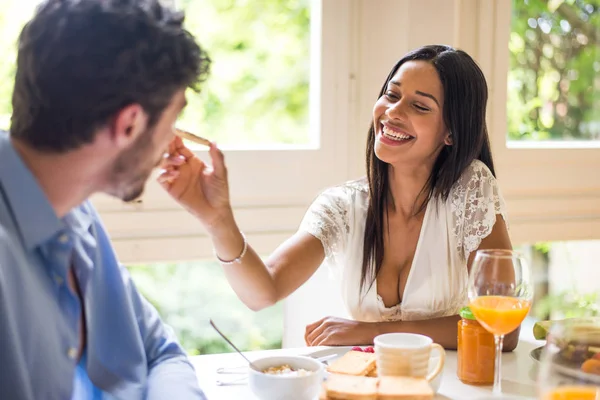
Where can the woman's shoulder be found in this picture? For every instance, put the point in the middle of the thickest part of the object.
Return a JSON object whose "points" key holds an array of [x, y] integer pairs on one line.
{"points": [[477, 177], [347, 191], [477, 187], [477, 171], [356, 186], [475, 203], [360, 185]]}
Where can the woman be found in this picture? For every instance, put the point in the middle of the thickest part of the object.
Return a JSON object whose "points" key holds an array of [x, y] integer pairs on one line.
{"points": [[403, 239]]}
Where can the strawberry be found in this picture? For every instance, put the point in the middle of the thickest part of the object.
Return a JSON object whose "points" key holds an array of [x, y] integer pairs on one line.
{"points": [[369, 350], [356, 348]]}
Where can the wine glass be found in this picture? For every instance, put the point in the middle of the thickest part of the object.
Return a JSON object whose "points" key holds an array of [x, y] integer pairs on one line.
{"points": [[570, 368], [500, 291]]}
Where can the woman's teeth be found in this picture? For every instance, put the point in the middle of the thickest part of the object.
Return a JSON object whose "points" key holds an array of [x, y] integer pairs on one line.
{"points": [[390, 134]]}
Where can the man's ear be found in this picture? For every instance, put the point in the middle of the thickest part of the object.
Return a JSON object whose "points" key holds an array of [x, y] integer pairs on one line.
{"points": [[448, 140], [128, 124]]}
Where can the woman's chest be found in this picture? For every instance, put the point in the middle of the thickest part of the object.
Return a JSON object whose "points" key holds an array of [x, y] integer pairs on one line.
{"points": [[401, 240]]}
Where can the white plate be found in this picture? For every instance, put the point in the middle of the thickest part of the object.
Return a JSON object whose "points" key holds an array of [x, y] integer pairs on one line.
{"points": [[572, 371], [331, 351], [341, 350]]}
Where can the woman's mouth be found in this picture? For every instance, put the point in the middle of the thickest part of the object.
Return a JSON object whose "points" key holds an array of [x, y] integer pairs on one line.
{"points": [[394, 135]]}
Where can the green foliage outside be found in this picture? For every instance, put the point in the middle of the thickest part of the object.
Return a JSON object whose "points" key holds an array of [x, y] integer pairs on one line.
{"points": [[568, 304], [259, 86], [188, 295], [554, 78], [258, 90]]}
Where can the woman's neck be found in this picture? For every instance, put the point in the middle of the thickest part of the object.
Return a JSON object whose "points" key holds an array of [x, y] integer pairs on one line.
{"points": [[407, 189]]}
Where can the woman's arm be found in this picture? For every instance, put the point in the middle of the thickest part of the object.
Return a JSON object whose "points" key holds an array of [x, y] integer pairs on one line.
{"points": [[333, 331], [259, 284], [204, 192]]}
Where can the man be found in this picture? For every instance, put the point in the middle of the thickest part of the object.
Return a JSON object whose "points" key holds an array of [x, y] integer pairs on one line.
{"points": [[98, 87]]}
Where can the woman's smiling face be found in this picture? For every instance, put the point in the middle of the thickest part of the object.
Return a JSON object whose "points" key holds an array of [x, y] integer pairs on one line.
{"points": [[408, 119]]}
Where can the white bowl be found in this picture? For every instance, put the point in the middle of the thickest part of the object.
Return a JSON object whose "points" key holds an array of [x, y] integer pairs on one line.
{"points": [[282, 387]]}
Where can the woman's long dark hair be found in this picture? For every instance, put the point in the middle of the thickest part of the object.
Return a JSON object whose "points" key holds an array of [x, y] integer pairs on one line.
{"points": [[465, 99]]}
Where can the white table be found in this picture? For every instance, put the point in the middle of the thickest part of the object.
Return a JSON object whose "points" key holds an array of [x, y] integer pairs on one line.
{"points": [[518, 369]]}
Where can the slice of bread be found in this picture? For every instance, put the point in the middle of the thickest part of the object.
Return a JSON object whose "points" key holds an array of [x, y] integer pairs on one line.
{"points": [[403, 388], [353, 363], [349, 387], [373, 373]]}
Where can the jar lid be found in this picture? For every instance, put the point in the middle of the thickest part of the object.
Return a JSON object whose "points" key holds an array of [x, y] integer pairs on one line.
{"points": [[466, 313]]}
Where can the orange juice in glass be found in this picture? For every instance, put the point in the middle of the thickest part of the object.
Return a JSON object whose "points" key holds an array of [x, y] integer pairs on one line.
{"points": [[500, 315], [500, 292], [573, 393]]}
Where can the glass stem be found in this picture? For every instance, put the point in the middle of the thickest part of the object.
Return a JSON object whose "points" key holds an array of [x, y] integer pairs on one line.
{"points": [[499, 339]]}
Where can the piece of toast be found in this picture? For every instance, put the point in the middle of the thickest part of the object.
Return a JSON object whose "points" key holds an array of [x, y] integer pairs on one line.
{"points": [[350, 387], [353, 363], [403, 388]]}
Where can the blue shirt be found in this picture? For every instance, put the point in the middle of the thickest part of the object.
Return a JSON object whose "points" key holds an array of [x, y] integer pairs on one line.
{"points": [[130, 353]]}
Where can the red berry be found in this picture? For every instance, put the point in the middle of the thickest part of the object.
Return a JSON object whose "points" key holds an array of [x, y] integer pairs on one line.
{"points": [[369, 350], [356, 348]]}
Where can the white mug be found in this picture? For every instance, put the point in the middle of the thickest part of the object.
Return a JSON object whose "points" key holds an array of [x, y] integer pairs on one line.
{"points": [[407, 354]]}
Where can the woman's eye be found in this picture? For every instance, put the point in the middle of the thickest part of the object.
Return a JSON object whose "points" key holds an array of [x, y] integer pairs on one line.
{"points": [[391, 95], [421, 108]]}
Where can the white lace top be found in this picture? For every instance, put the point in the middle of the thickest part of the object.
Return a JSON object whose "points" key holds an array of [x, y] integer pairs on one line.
{"points": [[451, 230]]}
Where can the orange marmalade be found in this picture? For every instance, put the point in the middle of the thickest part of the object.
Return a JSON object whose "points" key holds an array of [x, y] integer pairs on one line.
{"points": [[475, 351]]}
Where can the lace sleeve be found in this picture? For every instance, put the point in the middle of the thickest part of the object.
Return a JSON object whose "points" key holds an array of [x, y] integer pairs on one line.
{"points": [[476, 201], [327, 219]]}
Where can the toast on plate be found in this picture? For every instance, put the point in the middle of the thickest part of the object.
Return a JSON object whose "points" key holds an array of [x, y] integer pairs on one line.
{"points": [[353, 363], [403, 388], [350, 387]]}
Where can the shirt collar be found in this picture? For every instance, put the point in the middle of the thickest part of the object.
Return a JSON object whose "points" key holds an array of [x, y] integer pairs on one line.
{"points": [[79, 221], [34, 216]]}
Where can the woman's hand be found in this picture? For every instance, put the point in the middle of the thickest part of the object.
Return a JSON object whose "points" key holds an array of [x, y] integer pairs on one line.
{"points": [[332, 331], [200, 188]]}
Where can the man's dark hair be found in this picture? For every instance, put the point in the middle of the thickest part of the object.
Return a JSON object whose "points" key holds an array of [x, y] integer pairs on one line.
{"points": [[81, 61]]}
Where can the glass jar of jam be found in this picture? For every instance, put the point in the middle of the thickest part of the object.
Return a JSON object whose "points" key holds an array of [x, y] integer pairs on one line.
{"points": [[475, 351]]}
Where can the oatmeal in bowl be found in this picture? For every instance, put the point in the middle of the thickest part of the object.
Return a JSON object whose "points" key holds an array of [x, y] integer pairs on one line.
{"points": [[286, 378], [286, 370]]}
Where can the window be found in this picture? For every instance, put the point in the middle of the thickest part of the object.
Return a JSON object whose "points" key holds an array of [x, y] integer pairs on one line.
{"points": [[13, 16], [272, 180], [554, 75], [258, 91], [565, 274], [263, 102], [187, 295], [548, 177]]}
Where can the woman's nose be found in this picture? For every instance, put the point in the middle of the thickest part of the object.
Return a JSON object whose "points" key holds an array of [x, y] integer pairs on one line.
{"points": [[397, 110]]}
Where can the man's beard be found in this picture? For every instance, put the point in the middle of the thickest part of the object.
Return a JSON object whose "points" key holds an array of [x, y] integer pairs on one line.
{"points": [[132, 169]]}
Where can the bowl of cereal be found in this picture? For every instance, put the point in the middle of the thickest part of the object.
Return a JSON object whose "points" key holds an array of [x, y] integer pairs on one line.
{"points": [[286, 378]]}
